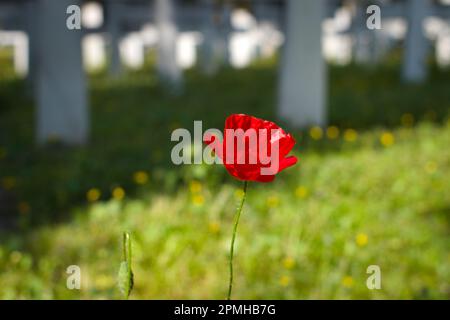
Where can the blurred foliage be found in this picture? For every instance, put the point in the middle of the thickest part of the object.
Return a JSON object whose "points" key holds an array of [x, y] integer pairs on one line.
{"points": [[372, 188]]}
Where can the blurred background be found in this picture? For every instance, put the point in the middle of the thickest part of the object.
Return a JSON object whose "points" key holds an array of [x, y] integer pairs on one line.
{"points": [[90, 92]]}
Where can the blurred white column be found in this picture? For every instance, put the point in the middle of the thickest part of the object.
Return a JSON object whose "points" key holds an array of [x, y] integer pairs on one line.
{"points": [[336, 42], [416, 46], [132, 50], [302, 83], [243, 43], [269, 39], [187, 49], [18, 40], [243, 48], [94, 57], [21, 53], [167, 66], [443, 50], [60, 83]]}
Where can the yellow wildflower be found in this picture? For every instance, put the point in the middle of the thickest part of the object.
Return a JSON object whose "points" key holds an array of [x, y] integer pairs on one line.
{"points": [[198, 199], [195, 186], [273, 201], [285, 281], [140, 177], [361, 239], [350, 135], [301, 192], [407, 120], [288, 263], [316, 133], [332, 132], [118, 193], [347, 281], [387, 139], [9, 183], [93, 195], [214, 227]]}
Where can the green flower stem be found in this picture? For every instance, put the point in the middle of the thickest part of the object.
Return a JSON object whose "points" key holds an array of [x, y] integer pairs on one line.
{"points": [[238, 215], [126, 280], [127, 248]]}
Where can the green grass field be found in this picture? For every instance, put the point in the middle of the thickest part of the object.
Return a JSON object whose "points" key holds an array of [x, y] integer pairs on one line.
{"points": [[371, 189]]}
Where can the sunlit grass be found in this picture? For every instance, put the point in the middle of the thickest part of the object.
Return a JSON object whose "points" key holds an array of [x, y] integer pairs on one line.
{"points": [[364, 206]]}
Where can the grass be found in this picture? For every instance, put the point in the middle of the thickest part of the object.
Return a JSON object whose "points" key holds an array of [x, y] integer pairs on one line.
{"points": [[377, 195]]}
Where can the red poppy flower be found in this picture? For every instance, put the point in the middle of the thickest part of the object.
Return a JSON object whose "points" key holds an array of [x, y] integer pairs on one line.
{"points": [[253, 149]]}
